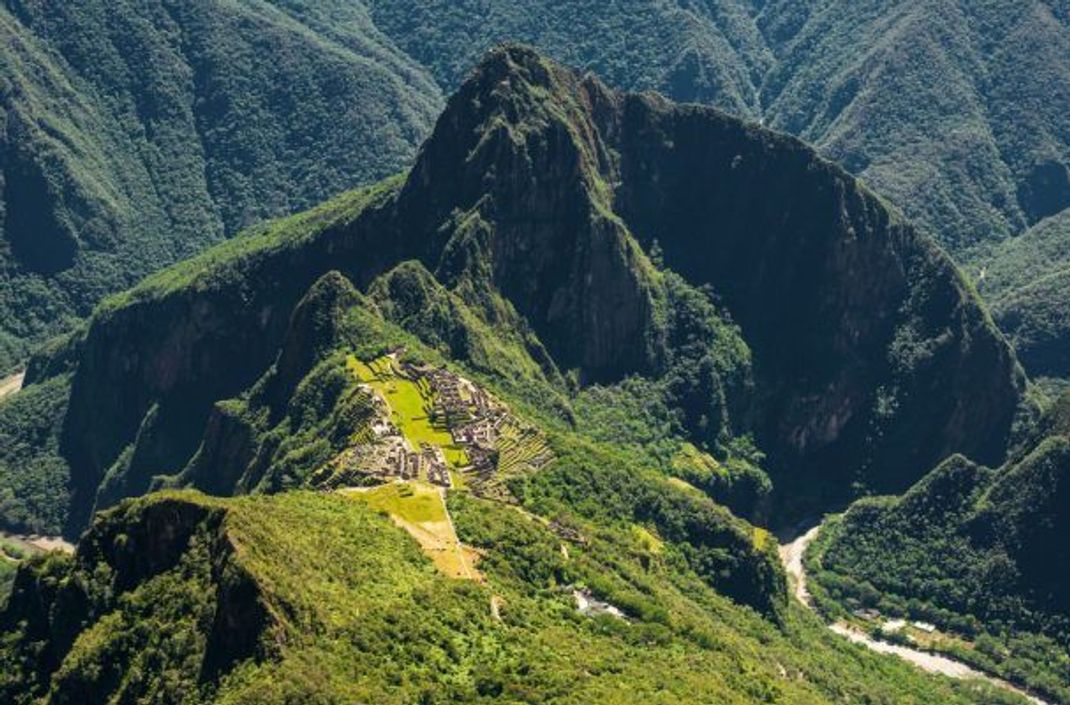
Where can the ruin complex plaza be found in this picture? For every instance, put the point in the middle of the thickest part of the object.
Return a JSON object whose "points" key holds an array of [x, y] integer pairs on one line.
{"points": [[454, 431]]}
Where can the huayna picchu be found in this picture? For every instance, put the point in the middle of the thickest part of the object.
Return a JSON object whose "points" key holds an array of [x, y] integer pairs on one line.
{"points": [[512, 426]]}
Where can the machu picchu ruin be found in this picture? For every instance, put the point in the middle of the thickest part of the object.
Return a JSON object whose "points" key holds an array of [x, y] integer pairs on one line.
{"points": [[433, 425]]}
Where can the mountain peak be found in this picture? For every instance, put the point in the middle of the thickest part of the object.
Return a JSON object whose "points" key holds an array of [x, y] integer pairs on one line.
{"points": [[786, 300], [574, 183]]}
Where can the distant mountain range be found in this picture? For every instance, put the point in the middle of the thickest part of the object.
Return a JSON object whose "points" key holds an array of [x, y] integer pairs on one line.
{"points": [[143, 132], [663, 322], [136, 134]]}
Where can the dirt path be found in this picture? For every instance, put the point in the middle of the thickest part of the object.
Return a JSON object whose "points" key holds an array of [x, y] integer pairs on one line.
{"points": [[36, 544], [423, 513], [462, 556], [12, 384], [791, 555]]}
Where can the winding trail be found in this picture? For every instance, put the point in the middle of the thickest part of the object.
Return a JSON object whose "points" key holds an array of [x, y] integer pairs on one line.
{"points": [[791, 555], [12, 384]]}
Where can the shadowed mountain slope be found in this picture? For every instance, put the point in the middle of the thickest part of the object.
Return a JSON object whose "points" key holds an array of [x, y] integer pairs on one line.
{"points": [[978, 551], [1025, 282], [573, 236]]}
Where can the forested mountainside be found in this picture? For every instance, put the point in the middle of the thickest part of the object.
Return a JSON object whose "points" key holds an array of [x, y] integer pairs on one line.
{"points": [[312, 598], [951, 109], [135, 134], [979, 552], [594, 252], [581, 353], [524, 381], [1026, 281]]}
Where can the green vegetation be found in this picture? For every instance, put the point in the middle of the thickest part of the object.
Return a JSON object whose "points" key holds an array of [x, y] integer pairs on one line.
{"points": [[263, 109], [415, 503], [948, 109], [8, 569], [977, 552], [137, 135], [221, 265], [410, 407], [33, 473], [635, 415], [305, 597], [709, 53], [11, 553], [1025, 282], [653, 339], [606, 318], [953, 112]]}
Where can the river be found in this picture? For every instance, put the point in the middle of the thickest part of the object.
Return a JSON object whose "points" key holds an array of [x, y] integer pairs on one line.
{"points": [[791, 555]]}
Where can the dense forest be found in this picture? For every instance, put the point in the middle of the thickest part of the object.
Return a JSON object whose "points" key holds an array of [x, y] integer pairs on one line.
{"points": [[393, 351], [305, 597], [136, 134], [974, 550]]}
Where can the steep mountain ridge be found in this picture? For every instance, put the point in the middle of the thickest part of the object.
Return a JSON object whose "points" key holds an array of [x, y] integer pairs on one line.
{"points": [[567, 262], [513, 175], [815, 306], [531, 204], [951, 109]]}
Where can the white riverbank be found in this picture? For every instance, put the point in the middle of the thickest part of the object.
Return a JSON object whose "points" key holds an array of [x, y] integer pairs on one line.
{"points": [[791, 555]]}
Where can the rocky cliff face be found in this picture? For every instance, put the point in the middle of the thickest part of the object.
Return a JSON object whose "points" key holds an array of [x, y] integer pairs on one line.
{"points": [[874, 359], [517, 151], [538, 202], [873, 356]]}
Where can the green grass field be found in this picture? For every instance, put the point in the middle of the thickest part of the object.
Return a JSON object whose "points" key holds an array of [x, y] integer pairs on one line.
{"points": [[420, 509], [410, 502], [410, 406]]}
